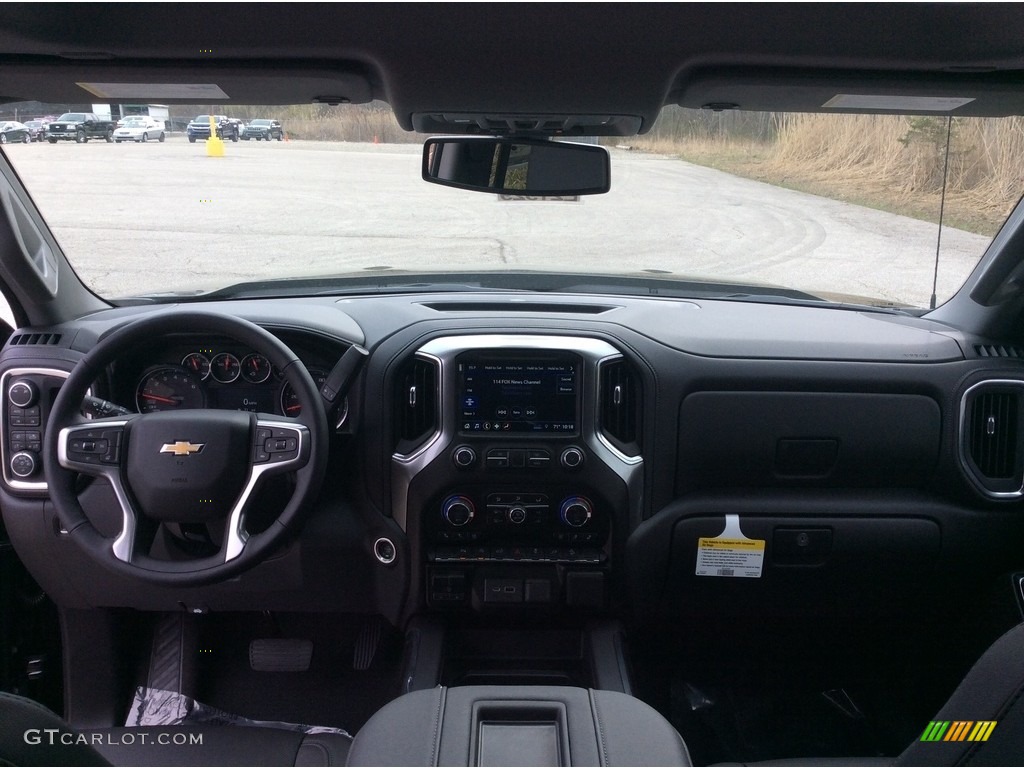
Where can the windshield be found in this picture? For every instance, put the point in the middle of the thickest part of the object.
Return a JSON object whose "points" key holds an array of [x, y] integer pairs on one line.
{"points": [[840, 208], [260, 122]]}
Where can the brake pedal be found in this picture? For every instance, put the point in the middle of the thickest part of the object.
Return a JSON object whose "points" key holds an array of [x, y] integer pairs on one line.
{"points": [[280, 655]]}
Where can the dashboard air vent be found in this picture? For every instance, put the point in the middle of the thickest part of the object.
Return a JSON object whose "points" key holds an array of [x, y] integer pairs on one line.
{"points": [[999, 350], [992, 439], [993, 434], [24, 339], [416, 404], [620, 406]]}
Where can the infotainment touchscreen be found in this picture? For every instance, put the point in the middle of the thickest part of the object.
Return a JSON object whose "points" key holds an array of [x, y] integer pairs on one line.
{"points": [[518, 396]]}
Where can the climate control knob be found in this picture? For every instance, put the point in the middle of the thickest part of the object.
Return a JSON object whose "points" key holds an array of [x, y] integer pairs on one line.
{"points": [[24, 464], [464, 457], [457, 510], [576, 511], [22, 393]]}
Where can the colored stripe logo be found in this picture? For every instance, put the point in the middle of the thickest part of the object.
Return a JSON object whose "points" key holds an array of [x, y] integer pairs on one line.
{"points": [[958, 730]]}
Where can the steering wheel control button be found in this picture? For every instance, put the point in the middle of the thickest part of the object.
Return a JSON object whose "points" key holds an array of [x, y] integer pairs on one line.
{"points": [[22, 393], [112, 441], [457, 510], [94, 446], [464, 457], [576, 511], [282, 445], [572, 458], [259, 452], [384, 550], [24, 464]]}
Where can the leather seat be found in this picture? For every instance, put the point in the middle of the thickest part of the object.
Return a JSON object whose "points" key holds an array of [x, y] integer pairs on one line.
{"points": [[32, 735]]}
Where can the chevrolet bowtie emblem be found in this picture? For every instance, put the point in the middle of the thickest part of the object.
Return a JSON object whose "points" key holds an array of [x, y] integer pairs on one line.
{"points": [[182, 448]]}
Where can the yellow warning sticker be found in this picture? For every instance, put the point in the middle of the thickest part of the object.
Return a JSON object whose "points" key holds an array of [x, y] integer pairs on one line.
{"points": [[730, 557]]}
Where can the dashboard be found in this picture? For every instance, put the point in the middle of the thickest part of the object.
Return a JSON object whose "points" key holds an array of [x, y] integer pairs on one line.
{"points": [[572, 454]]}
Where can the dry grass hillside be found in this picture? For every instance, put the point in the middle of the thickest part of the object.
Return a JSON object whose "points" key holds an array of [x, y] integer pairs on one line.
{"points": [[890, 162]]}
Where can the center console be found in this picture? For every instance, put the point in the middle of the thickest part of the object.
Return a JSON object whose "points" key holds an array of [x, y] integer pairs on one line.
{"points": [[517, 725], [518, 496]]}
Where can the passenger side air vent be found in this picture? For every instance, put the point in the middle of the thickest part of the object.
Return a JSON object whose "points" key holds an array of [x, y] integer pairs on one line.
{"points": [[24, 339], [991, 437], [416, 404], [620, 406], [998, 350]]}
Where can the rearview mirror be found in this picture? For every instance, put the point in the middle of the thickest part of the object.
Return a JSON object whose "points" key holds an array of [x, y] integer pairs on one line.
{"points": [[530, 167]]}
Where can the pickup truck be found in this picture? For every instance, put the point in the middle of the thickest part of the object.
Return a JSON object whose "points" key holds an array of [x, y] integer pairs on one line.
{"points": [[79, 127], [227, 128]]}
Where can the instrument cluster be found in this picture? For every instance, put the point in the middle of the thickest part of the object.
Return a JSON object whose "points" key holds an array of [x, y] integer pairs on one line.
{"points": [[211, 377]]}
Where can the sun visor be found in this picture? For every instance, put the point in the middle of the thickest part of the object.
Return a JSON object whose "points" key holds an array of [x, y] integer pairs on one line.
{"points": [[977, 94], [76, 82]]}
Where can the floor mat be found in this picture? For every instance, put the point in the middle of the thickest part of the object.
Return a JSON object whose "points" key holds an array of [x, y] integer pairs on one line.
{"points": [[750, 724], [330, 692], [152, 706]]}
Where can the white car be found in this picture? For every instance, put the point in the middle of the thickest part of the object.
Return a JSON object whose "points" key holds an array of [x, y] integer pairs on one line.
{"points": [[139, 128]]}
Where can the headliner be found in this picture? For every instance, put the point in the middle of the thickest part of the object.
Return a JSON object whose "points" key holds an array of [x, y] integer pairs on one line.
{"points": [[616, 64]]}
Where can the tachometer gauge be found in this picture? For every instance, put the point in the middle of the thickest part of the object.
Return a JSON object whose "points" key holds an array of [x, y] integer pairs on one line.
{"points": [[225, 367], [256, 368], [197, 364], [168, 389]]}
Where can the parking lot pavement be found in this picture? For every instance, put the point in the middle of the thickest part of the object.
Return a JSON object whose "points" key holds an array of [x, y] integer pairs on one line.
{"points": [[147, 214]]}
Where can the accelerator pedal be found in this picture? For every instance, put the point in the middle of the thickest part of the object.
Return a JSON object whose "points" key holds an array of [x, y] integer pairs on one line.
{"points": [[366, 643]]}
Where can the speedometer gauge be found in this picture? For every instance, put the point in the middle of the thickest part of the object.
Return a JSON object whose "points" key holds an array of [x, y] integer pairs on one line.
{"points": [[168, 389]]}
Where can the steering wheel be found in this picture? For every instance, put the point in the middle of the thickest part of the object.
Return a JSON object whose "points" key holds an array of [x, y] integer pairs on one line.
{"points": [[187, 466]]}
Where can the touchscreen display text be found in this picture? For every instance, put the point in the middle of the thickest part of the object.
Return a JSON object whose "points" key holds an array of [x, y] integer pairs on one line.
{"points": [[518, 397]]}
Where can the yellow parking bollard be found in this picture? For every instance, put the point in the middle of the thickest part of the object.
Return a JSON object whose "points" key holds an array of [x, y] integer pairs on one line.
{"points": [[214, 144]]}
